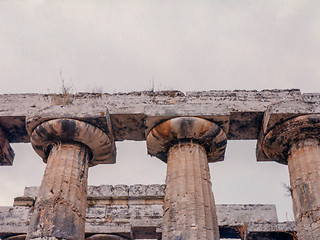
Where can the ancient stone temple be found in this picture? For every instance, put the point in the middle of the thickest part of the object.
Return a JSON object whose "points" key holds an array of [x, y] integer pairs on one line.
{"points": [[187, 131]]}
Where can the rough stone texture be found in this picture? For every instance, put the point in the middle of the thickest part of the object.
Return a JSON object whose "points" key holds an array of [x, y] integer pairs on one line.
{"points": [[53, 131], [189, 209], [70, 146], [23, 201], [108, 191], [14, 220], [155, 116], [6, 152], [246, 213], [61, 204], [136, 217], [127, 110], [186, 144], [186, 129], [240, 114], [280, 113], [304, 168], [294, 140], [125, 219], [277, 141], [31, 192]]}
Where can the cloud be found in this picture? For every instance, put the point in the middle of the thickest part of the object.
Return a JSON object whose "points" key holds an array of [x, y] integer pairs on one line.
{"points": [[195, 45]]}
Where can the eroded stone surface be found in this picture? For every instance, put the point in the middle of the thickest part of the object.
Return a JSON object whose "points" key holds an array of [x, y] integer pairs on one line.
{"points": [[304, 169], [295, 141], [127, 110], [278, 141], [284, 113], [189, 208], [187, 129], [6, 152], [186, 144], [56, 131], [120, 217], [60, 208]]}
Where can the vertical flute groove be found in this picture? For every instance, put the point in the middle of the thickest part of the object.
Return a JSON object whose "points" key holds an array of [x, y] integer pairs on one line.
{"points": [[188, 213], [60, 209], [304, 169]]}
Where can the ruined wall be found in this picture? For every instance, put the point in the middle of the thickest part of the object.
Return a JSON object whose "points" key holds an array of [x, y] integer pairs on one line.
{"points": [[137, 209]]}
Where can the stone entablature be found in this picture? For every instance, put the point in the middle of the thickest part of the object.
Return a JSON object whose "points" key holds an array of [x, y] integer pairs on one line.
{"points": [[243, 110]]}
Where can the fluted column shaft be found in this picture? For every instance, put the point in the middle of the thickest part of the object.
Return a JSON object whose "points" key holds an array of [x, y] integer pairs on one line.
{"points": [[296, 142], [69, 147], [187, 144], [61, 204], [304, 169], [189, 209]]}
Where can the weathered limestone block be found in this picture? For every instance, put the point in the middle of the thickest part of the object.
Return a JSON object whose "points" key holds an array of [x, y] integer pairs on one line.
{"points": [[155, 190], [144, 220], [137, 190], [23, 201], [186, 144], [100, 191], [233, 214], [69, 147], [127, 110], [296, 141], [120, 190], [6, 152], [107, 191], [31, 192]]}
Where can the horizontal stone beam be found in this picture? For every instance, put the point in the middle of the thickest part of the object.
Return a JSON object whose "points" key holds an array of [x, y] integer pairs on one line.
{"points": [[131, 114], [123, 219], [137, 211]]}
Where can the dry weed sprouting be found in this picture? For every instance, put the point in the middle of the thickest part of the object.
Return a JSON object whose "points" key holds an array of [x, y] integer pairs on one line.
{"points": [[243, 231], [65, 97], [288, 189]]}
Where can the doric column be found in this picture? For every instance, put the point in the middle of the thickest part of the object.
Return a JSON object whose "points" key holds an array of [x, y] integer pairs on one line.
{"points": [[186, 144], [68, 147], [296, 142]]}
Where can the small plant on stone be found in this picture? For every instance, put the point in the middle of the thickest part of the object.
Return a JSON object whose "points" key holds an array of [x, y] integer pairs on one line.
{"points": [[243, 231], [66, 96], [288, 189]]}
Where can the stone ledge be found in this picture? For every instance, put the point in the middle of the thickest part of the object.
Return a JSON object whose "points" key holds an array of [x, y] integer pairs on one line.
{"points": [[136, 211], [107, 191], [125, 219], [127, 110]]}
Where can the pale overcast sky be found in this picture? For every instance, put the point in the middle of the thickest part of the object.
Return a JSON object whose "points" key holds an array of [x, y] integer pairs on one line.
{"points": [[121, 46]]}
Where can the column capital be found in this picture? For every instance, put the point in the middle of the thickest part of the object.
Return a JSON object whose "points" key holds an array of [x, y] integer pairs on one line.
{"points": [[278, 141], [187, 129], [281, 120], [67, 130]]}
